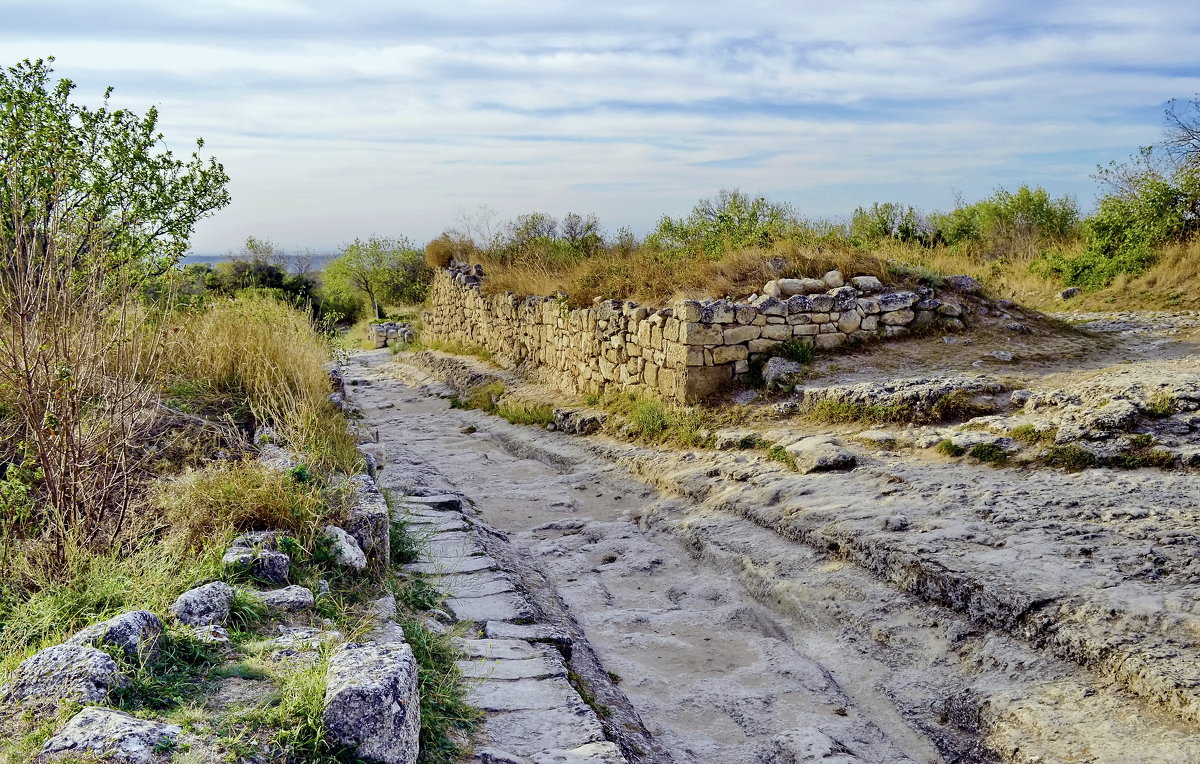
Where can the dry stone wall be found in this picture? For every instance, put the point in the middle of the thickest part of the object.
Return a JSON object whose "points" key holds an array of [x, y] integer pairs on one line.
{"points": [[683, 353]]}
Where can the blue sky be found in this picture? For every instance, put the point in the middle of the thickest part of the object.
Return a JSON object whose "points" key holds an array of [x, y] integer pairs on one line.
{"points": [[352, 119]]}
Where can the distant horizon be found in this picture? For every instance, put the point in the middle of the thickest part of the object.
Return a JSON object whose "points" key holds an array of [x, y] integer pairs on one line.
{"points": [[372, 119]]}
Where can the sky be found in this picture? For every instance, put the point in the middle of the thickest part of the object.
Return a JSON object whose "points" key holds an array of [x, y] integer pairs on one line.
{"points": [[351, 119]]}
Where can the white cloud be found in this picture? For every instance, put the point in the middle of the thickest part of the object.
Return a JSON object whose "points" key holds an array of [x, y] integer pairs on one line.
{"points": [[337, 122]]}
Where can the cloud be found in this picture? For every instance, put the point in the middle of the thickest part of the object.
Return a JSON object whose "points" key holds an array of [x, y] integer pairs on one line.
{"points": [[336, 122]]}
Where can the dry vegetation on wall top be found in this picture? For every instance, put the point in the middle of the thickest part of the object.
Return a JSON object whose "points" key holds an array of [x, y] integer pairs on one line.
{"points": [[1138, 249]]}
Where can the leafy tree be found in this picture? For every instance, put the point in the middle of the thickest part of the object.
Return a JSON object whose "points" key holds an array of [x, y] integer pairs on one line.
{"points": [[1008, 221], [729, 222], [93, 185], [889, 221], [381, 270]]}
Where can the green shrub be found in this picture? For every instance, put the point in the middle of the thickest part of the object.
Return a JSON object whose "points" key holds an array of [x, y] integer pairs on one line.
{"points": [[526, 412], [990, 453], [1030, 435], [1161, 405], [404, 546], [947, 447], [1071, 457], [844, 412], [958, 405]]}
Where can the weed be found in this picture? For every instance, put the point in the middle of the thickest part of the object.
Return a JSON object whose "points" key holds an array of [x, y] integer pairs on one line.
{"points": [[445, 714], [454, 347], [1030, 435], [526, 412], [947, 447], [1161, 405], [990, 453], [417, 593], [405, 547], [170, 679], [1070, 457], [778, 453], [958, 405], [747, 442], [844, 412], [247, 611], [241, 497]]}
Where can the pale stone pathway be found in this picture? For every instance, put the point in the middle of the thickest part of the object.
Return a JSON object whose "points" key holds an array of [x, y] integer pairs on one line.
{"points": [[518, 675]]}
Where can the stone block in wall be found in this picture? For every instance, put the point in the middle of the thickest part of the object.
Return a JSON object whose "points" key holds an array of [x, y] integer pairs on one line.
{"points": [[687, 310], [821, 303], [671, 329], [849, 322], [844, 298], [736, 335], [902, 317], [799, 318], [718, 312], [827, 328], [896, 301], [772, 307], [740, 368], [869, 323], [923, 319], [830, 341], [798, 304], [805, 330], [760, 346], [700, 334], [820, 318], [700, 382], [893, 332], [729, 354], [777, 332], [744, 314], [645, 331]]}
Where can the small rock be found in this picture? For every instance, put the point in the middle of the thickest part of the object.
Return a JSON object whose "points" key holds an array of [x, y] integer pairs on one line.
{"points": [[896, 522], [212, 634], [779, 371], [63, 672], [1018, 327], [204, 605], [371, 702], [820, 454], [834, 279], [1003, 356], [867, 284], [135, 634], [772, 289], [288, 599], [965, 284], [345, 548], [264, 564], [113, 735], [1068, 293]]}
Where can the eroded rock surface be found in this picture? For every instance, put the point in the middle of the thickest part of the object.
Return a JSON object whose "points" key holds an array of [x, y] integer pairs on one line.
{"points": [[64, 672], [111, 735], [205, 605], [371, 702]]}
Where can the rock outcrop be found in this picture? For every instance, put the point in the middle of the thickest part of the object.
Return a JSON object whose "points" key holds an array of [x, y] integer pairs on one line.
{"points": [[64, 672], [371, 702], [205, 605], [135, 634], [111, 735]]}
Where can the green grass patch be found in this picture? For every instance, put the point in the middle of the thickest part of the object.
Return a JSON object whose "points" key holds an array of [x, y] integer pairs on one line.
{"points": [[526, 412], [778, 453], [1071, 457], [446, 717], [1162, 405], [957, 406], [171, 679], [844, 412], [1030, 435], [947, 448], [990, 453]]}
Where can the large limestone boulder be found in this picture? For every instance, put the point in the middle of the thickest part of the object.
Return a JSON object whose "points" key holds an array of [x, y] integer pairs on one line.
{"points": [[345, 548], [289, 599], [264, 564], [205, 605], [369, 521], [961, 283], [867, 284], [63, 672], [371, 702], [135, 634], [781, 372], [579, 421], [112, 735], [820, 454], [792, 287]]}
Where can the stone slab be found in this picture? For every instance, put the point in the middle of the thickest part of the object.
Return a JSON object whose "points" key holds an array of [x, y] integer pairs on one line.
{"points": [[525, 733], [475, 584], [507, 606], [536, 632], [515, 649], [452, 544], [450, 567], [522, 695], [542, 667]]}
